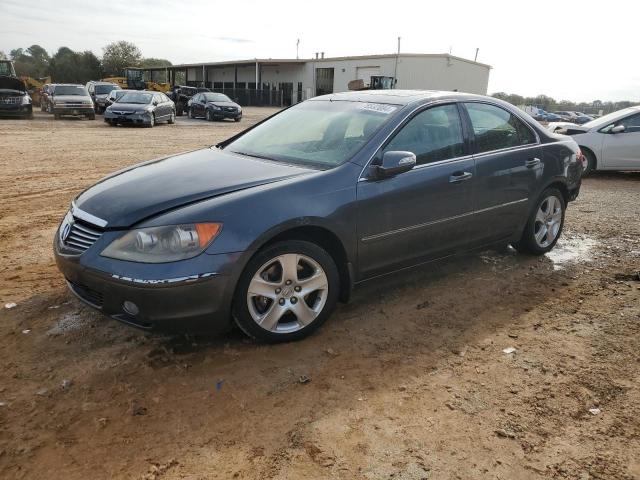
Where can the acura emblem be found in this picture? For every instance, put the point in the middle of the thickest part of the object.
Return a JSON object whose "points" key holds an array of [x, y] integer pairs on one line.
{"points": [[65, 228]]}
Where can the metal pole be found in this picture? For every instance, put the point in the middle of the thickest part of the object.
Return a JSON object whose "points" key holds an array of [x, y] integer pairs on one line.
{"points": [[476, 57], [395, 69], [297, 49]]}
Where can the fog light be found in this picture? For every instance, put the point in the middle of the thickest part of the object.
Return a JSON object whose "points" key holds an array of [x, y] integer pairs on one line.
{"points": [[130, 308]]}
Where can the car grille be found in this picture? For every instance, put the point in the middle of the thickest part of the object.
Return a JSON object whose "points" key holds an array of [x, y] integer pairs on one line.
{"points": [[10, 100], [87, 294], [81, 236], [72, 105], [229, 109]]}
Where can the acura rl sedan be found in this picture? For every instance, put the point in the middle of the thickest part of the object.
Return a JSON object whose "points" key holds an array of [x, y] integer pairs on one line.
{"points": [[274, 226]]}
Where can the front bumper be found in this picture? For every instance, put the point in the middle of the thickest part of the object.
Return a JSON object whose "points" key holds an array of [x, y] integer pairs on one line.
{"points": [[219, 114], [131, 119], [167, 296], [73, 111], [16, 110]]}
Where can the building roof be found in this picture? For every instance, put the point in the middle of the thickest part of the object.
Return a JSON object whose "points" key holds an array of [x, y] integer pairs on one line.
{"points": [[275, 61]]}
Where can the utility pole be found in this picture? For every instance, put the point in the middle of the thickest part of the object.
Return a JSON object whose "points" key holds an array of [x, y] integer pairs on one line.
{"points": [[476, 58], [395, 69], [297, 49]]}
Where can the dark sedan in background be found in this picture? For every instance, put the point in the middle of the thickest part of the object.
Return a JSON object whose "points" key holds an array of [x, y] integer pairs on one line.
{"points": [[276, 224], [141, 108], [214, 106]]}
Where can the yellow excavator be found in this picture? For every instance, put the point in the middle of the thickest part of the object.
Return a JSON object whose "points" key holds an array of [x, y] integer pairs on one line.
{"points": [[133, 79]]}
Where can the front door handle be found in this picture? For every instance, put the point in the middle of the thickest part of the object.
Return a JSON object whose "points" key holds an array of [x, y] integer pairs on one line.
{"points": [[458, 177], [532, 162]]}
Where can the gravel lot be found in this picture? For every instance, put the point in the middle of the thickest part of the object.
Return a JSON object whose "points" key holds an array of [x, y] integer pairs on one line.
{"points": [[407, 381]]}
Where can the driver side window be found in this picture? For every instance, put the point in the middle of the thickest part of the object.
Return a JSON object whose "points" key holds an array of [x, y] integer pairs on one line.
{"points": [[432, 135], [631, 124]]}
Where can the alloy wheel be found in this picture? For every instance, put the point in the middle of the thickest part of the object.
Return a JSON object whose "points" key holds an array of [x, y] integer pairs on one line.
{"points": [[548, 221], [287, 293]]}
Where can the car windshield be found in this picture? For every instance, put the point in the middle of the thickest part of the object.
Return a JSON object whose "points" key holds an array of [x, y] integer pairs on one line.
{"points": [[70, 90], [216, 97], [104, 89], [317, 133], [609, 118], [136, 97]]}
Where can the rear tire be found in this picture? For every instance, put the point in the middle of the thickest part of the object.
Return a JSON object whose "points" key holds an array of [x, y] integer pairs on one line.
{"points": [[91, 116], [237, 119], [545, 224], [179, 109], [191, 114], [301, 286]]}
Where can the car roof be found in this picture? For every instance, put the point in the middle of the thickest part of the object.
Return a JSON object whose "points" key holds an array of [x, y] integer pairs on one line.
{"points": [[397, 97]]}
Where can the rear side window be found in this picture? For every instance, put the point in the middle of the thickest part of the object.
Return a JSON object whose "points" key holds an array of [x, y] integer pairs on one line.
{"points": [[432, 135], [495, 128]]}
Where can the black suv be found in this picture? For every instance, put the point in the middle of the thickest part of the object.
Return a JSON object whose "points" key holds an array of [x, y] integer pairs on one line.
{"points": [[14, 98]]}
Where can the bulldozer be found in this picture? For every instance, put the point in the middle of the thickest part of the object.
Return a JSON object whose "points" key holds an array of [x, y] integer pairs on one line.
{"points": [[133, 79], [6, 68], [377, 82]]}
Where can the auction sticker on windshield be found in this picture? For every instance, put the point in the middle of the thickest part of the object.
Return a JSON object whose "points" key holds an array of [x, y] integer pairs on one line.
{"points": [[379, 107]]}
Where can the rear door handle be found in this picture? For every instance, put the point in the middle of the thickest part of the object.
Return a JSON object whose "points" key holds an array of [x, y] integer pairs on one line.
{"points": [[458, 177], [532, 162]]}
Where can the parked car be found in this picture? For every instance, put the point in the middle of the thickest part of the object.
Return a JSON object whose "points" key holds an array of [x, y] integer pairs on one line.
{"points": [[611, 142], [582, 118], [214, 106], [115, 95], [71, 100], [46, 98], [552, 117], [141, 108], [99, 92], [15, 100], [276, 224], [181, 94], [566, 116]]}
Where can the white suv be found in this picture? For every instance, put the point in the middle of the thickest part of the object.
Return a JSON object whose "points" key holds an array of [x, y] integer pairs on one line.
{"points": [[611, 142]]}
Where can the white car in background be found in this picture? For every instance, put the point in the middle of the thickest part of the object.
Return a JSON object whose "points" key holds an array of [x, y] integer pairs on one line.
{"points": [[611, 142]]}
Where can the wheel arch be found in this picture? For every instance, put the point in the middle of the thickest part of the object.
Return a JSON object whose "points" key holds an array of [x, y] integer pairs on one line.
{"points": [[323, 237], [590, 151]]}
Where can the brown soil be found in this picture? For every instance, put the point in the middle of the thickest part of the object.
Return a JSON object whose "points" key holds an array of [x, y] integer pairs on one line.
{"points": [[408, 381]]}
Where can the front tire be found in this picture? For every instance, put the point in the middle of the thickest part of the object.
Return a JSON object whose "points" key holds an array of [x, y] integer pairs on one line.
{"points": [[286, 292], [152, 120], [172, 118], [591, 163], [209, 116], [545, 224]]}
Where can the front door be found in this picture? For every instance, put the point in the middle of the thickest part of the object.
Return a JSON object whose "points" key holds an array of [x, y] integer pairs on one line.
{"points": [[621, 150], [509, 164], [421, 214]]}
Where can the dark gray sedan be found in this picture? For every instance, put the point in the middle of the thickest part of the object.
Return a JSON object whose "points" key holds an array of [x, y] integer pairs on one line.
{"points": [[141, 108], [214, 106], [275, 225]]}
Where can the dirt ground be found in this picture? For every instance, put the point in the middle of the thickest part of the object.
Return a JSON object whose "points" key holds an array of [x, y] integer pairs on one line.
{"points": [[408, 381]]}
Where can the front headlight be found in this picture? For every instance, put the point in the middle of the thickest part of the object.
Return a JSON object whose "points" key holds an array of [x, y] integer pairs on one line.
{"points": [[163, 244], [215, 107], [26, 100]]}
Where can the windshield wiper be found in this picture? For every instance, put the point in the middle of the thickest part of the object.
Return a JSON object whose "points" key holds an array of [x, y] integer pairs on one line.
{"points": [[252, 155]]}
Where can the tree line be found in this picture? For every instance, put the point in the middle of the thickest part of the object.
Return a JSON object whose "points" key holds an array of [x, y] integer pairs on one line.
{"points": [[68, 66], [550, 104]]}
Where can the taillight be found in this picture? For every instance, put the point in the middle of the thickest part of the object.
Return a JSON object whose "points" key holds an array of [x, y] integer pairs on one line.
{"points": [[581, 158]]}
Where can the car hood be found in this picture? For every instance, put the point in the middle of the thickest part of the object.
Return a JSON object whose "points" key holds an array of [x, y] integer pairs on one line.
{"points": [[566, 127], [129, 107], [148, 189], [12, 83]]}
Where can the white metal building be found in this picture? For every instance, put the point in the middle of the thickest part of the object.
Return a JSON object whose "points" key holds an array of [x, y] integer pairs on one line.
{"points": [[299, 79]]}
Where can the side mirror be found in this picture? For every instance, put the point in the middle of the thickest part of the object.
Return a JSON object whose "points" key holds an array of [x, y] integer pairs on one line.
{"points": [[617, 129], [155, 103], [395, 162]]}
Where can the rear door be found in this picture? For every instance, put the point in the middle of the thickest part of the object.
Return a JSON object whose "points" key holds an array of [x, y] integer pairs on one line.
{"points": [[621, 151], [424, 213], [509, 167]]}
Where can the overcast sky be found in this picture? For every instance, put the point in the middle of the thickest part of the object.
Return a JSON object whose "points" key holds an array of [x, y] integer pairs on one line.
{"points": [[575, 50]]}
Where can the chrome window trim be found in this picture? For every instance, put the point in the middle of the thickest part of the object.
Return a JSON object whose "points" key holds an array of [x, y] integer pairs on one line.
{"points": [[87, 217], [434, 222], [518, 116]]}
